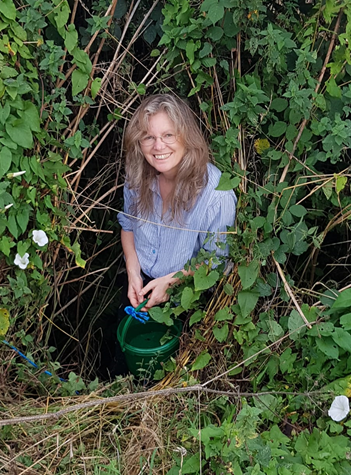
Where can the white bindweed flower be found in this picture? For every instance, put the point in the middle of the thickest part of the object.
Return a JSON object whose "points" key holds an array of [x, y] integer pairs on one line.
{"points": [[339, 408], [40, 238], [8, 206], [13, 175], [22, 262]]}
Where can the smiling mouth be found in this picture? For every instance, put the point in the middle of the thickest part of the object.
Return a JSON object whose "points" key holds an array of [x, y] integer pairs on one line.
{"points": [[163, 156]]}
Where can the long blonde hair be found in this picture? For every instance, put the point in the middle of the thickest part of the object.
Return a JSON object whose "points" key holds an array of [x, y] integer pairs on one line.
{"points": [[192, 175]]}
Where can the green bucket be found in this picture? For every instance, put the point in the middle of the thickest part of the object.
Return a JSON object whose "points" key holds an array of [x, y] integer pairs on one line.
{"points": [[141, 343]]}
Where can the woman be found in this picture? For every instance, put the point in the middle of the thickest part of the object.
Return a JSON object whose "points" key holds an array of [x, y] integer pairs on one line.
{"points": [[170, 198]]}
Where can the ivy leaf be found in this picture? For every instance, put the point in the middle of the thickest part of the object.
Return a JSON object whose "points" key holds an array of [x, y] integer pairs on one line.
{"points": [[95, 87], [19, 131], [79, 81], [342, 338], [343, 300], [226, 182], [221, 333], [8, 9], [247, 300], [328, 347], [5, 160], [201, 361], [248, 274], [187, 298], [202, 281], [161, 315]]}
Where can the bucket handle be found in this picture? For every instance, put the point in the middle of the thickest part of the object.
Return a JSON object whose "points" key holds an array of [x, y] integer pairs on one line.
{"points": [[127, 324]]}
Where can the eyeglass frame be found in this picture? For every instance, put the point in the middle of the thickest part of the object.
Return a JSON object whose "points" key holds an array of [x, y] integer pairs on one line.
{"points": [[154, 138]]}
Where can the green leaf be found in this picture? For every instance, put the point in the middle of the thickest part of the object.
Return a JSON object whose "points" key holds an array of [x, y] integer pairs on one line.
{"points": [[342, 338], [5, 160], [221, 333], [8, 9], [215, 33], [277, 129], [187, 298], [215, 12], [4, 321], [333, 89], [275, 331], [298, 210], [95, 87], [12, 225], [202, 281], [77, 253], [345, 321], [196, 317], [223, 314], [5, 245], [191, 465], [19, 131], [328, 347], [79, 81], [71, 39], [343, 300], [340, 183], [4, 112], [30, 115], [248, 274], [228, 289], [161, 315], [279, 104], [247, 300], [286, 361], [61, 13], [201, 361], [22, 217], [295, 321], [226, 182]]}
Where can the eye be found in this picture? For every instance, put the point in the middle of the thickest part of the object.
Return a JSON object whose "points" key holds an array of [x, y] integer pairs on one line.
{"points": [[168, 136]]}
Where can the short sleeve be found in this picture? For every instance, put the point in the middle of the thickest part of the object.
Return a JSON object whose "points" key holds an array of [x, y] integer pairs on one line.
{"points": [[218, 217], [125, 221]]}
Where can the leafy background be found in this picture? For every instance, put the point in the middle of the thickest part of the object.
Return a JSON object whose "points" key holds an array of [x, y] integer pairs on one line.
{"points": [[270, 84]]}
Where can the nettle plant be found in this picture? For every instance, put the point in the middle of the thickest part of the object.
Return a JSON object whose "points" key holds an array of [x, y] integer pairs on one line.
{"points": [[34, 144]]}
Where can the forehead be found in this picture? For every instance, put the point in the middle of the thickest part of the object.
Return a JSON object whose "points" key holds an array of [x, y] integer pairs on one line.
{"points": [[159, 123]]}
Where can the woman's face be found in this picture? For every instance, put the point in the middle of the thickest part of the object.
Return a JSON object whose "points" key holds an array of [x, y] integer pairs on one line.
{"points": [[165, 158]]}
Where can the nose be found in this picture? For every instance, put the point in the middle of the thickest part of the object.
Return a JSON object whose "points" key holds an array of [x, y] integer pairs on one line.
{"points": [[159, 144]]}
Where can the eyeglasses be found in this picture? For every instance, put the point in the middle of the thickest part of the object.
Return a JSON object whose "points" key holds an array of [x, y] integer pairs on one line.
{"points": [[150, 140]]}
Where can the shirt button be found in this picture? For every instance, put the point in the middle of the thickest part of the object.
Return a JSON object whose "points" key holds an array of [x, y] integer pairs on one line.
{"points": [[153, 251]]}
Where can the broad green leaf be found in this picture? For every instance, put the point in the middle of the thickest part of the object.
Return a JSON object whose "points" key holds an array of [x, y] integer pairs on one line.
{"points": [[161, 315], [22, 217], [328, 189], [8, 9], [191, 465], [340, 183], [328, 347], [202, 281], [333, 89], [275, 330], [5, 245], [294, 323], [286, 361], [226, 182], [216, 12], [79, 81], [81, 58], [248, 274], [279, 104], [342, 338], [95, 87], [201, 361], [4, 112], [228, 289], [61, 13], [30, 115], [221, 333], [19, 131], [277, 129], [4, 321], [247, 300], [343, 300], [345, 321], [196, 317], [5, 160], [187, 298], [298, 210], [71, 39], [190, 51], [223, 314], [77, 253], [215, 33], [12, 225]]}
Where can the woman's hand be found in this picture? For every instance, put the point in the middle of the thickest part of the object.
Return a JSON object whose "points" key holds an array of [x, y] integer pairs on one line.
{"points": [[135, 286], [158, 288]]}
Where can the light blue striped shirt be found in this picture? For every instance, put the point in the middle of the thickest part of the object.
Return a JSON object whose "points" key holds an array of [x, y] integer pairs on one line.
{"points": [[160, 248]]}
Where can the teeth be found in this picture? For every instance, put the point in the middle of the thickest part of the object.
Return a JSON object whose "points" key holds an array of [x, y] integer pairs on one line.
{"points": [[162, 157]]}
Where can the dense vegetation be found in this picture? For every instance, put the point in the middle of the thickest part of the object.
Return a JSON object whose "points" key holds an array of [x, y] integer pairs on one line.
{"points": [[261, 361]]}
